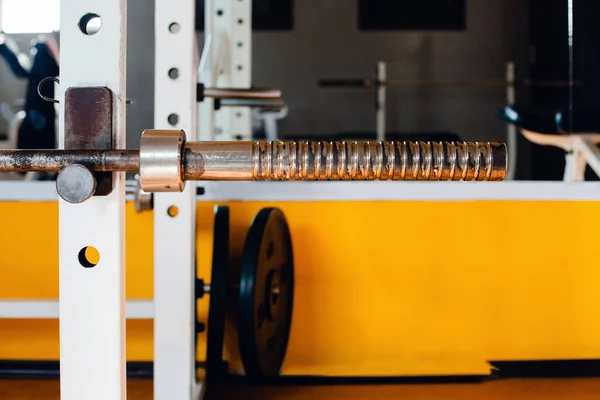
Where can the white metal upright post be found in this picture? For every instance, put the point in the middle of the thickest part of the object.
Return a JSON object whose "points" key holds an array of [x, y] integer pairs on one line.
{"points": [[381, 105], [92, 298], [228, 29], [176, 62]]}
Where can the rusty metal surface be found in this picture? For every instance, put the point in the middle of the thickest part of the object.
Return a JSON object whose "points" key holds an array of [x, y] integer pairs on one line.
{"points": [[89, 125], [55, 160]]}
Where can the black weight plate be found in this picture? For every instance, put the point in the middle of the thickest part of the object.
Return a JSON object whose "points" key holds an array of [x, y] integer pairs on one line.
{"points": [[218, 297], [266, 294]]}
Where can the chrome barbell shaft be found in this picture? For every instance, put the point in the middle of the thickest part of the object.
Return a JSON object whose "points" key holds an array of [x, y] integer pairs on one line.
{"points": [[292, 160], [241, 94]]}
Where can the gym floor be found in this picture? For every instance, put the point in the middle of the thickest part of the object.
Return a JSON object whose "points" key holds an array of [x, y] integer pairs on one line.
{"points": [[531, 389]]}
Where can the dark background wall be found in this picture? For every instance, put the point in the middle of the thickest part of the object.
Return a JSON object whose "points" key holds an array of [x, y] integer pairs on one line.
{"points": [[326, 43]]}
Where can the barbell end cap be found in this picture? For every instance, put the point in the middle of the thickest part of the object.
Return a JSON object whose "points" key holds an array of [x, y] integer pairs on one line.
{"points": [[75, 184]]}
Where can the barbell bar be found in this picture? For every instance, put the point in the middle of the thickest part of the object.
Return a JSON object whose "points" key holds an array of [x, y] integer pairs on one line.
{"points": [[371, 83], [166, 161]]}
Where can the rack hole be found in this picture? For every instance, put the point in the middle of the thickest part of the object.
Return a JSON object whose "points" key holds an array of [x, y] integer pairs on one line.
{"points": [[240, 44], [238, 137], [219, 13], [89, 257], [240, 21], [240, 67], [238, 114], [174, 27], [173, 73], [173, 119], [172, 211], [201, 327], [90, 24], [200, 191]]}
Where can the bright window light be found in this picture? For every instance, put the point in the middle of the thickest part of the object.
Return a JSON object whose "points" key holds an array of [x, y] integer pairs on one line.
{"points": [[30, 16]]}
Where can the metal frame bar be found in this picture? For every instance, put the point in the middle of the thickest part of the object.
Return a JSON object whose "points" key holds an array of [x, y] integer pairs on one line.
{"points": [[228, 53], [350, 191], [174, 237], [92, 300], [48, 309], [399, 191]]}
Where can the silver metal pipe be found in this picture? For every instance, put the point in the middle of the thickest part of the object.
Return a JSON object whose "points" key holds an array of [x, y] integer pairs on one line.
{"points": [[233, 94], [269, 104], [219, 161]]}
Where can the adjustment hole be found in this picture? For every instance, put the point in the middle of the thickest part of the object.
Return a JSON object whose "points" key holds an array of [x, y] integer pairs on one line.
{"points": [[240, 44], [90, 24], [173, 73], [174, 27], [172, 211], [173, 119], [238, 137], [240, 67], [89, 257], [240, 21], [238, 114], [220, 13]]}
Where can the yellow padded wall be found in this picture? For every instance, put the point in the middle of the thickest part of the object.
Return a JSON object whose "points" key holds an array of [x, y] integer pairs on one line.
{"points": [[382, 288]]}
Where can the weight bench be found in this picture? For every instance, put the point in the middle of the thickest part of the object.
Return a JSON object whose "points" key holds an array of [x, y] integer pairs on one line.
{"points": [[577, 133]]}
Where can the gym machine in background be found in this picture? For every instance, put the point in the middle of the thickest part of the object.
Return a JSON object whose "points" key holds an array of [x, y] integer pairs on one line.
{"points": [[380, 83], [573, 127], [226, 63]]}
